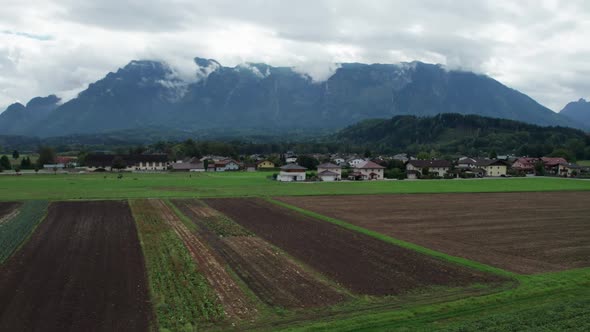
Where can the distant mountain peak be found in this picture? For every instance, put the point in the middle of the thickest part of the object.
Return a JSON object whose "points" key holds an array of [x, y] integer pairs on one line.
{"points": [[578, 111]]}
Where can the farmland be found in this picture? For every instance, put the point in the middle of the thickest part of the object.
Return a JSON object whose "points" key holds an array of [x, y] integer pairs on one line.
{"points": [[232, 184], [185, 252], [92, 273], [387, 269], [537, 232], [272, 276]]}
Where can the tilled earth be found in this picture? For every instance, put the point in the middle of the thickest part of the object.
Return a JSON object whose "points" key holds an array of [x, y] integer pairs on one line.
{"points": [[521, 232], [271, 275], [361, 263], [82, 270]]}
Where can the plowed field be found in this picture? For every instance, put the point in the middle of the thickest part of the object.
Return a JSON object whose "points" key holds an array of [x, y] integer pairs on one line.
{"points": [[521, 232], [273, 276], [359, 262], [82, 270]]}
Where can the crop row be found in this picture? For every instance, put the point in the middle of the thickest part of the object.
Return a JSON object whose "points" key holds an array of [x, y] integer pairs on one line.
{"points": [[15, 230], [181, 296]]}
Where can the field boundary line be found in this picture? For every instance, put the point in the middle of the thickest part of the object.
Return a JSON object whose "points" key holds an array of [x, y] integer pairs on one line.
{"points": [[43, 205], [404, 244]]}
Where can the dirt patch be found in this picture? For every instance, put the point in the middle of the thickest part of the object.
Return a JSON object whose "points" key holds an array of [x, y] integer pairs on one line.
{"points": [[8, 210], [361, 263], [82, 270], [232, 298], [521, 232], [269, 273]]}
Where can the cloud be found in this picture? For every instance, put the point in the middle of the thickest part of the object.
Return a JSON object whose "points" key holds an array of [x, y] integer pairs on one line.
{"points": [[60, 46]]}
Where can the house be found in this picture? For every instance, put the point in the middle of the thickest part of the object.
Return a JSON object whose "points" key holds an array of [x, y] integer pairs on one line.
{"points": [[213, 158], [552, 164], [53, 166], [130, 163], [356, 161], [483, 167], [570, 170], [525, 165], [403, 157], [190, 165], [339, 161], [290, 159], [415, 168], [250, 167], [369, 170], [226, 165], [265, 164], [67, 161], [329, 172], [291, 173]]}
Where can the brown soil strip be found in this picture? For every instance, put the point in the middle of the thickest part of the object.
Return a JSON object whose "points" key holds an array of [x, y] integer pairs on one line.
{"points": [[521, 232], [232, 298], [82, 270], [361, 263], [272, 276], [8, 210]]}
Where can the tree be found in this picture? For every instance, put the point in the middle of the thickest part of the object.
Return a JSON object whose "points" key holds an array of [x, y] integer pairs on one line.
{"points": [[118, 163], [5, 163], [367, 153], [15, 154], [423, 155], [25, 163], [493, 154], [46, 156], [539, 168], [308, 162]]}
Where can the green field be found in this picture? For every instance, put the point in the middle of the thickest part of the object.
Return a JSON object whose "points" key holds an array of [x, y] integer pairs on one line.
{"points": [[107, 185]]}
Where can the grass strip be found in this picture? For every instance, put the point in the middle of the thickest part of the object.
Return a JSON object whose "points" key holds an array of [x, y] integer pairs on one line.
{"points": [[182, 297]]}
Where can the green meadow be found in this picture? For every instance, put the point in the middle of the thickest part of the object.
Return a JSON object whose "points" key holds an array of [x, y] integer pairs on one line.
{"points": [[166, 185]]}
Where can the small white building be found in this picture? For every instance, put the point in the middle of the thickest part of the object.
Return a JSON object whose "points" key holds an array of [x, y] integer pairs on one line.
{"points": [[417, 167], [329, 172], [226, 165], [355, 162], [291, 173]]}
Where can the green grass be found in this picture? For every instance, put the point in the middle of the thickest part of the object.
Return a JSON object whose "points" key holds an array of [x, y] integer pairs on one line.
{"points": [[181, 296], [560, 296], [165, 185], [16, 230]]}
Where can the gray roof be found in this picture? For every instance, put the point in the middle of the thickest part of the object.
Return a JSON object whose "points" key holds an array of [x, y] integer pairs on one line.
{"points": [[430, 163], [293, 167], [184, 166]]}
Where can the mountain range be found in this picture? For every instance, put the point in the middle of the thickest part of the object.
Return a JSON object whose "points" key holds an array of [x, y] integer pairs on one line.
{"points": [[258, 96], [578, 111]]}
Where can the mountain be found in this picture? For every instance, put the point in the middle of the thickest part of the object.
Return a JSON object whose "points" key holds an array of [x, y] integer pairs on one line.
{"points": [[255, 95], [466, 134], [578, 111], [18, 118]]}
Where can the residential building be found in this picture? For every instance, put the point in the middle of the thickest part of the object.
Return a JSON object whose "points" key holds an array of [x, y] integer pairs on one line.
{"points": [[190, 165], [329, 172], [265, 164], [525, 164], [226, 165], [552, 165], [130, 163], [570, 170], [291, 173], [369, 170], [415, 168], [356, 161], [483, 167]]}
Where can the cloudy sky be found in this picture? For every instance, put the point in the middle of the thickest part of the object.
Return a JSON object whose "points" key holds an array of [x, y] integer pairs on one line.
{"points": [[60, 46]]}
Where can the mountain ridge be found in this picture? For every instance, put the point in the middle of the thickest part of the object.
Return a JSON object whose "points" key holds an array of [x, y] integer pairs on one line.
{"points": [[145, 93]]}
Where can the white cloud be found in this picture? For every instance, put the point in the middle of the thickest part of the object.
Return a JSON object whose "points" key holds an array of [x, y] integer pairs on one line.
{"points": [[60, 46]]}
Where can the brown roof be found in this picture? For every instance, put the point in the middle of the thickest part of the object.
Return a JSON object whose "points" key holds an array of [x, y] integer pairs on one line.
{"points": [[430, 163], [328, 165], [368, 165], [328, 173]]}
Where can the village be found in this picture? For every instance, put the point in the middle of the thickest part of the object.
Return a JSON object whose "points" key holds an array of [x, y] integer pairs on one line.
{"points": [[290, 167]]}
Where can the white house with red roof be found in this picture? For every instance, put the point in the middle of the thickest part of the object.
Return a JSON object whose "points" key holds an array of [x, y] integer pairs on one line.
{"points": [[329, 172]]}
